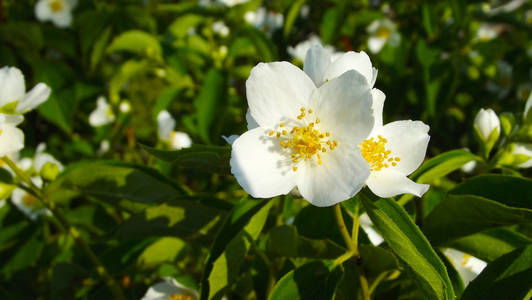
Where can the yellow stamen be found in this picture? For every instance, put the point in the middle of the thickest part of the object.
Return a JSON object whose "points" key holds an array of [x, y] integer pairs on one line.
{"points": [[375, 153], [56, 6], [294, 168], [271, 133]]}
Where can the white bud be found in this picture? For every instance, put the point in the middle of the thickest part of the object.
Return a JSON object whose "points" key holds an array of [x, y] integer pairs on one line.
{"points": [[523, 153], [486, 121]]}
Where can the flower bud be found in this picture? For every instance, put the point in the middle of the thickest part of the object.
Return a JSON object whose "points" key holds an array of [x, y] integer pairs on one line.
{"points": [[487, 128], [516, 155], [50, 171]]}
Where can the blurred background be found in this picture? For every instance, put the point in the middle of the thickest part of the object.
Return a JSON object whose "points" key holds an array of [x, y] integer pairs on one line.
{"points": [[169, 74]]}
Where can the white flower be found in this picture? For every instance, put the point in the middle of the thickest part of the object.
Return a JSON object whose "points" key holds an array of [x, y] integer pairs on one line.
{"points": [[525, 153], [169, 288], [382, 32], [468, 167], [300, 50], [231, 3], [265, 20], [11, 138], [41, 158], [467, 266], [394, 151], [307, 135], [105, 145], [124, 107], [321, 67], [103, 113], [487, 122], [220, 28], [57, 11], [13, 96], [27, 203], [486, 32], [166, 125]]}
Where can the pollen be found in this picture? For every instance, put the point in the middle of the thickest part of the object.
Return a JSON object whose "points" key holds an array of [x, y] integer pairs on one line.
{"points": [[303, 139], [180, 297], [56, 6], [29, 200], [375, 153]]}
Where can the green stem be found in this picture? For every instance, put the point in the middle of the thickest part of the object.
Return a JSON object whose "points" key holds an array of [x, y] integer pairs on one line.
{"points": [[356, 225], [376, 282], [353, 250], [111, 283]]}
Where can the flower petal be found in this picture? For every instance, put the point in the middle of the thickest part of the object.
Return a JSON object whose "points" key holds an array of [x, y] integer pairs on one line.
{"points": [[258, 164], [43, 11], [12, 85], [378, 105], [407, 140], [251, 122], [344, 108], [11, 139], [62, 19], [351, 61], [316, 62], [34, 98], [375, 44], [388, 183], [340, 177], [165, 125], [276, 91]]}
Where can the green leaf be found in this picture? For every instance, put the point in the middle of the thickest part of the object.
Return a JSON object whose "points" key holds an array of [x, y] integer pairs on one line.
{"points": [[440, 166], [491, 244], [458, 283], [331, 24], [377, 259], [320, 223], [210, 103], [285, 241], [291, 17], [462, 215], [128, 70], [508, 190], [185, 219], [312, 280], [241, 228], [99, 48], [163, 250], [508, 277], [411, 247], [109, 180], [26, 255], [138, 42], [200, 157]]}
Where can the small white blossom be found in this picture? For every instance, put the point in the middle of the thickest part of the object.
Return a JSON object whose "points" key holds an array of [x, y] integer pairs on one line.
{"points": [[105, 145], [103, 113], [300, 50], [265, 20], [232, 3], [166, 125], [382, 32], [169, 288], [486, 32], [220, 28], [27, 203], [41, 158], [308, 134], [125, 107], [57, 11], [525, 151], [13, 96], [467, 266], [486, 122], [468, 167]]}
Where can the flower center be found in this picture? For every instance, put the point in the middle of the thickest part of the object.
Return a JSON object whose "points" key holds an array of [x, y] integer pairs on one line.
{"points": [[29, 200], [375, 153], [56, 6], [180, 297], [304, 141], [383, 33]]}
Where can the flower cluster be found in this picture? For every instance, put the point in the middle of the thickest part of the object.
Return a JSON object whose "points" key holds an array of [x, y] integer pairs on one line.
{"points": [[321, 130]]}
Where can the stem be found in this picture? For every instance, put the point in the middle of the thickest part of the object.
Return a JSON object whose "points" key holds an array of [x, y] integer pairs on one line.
{"points": [[343, 229], [356, 225], [376, 282], [111, 283], [353, 249]]}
